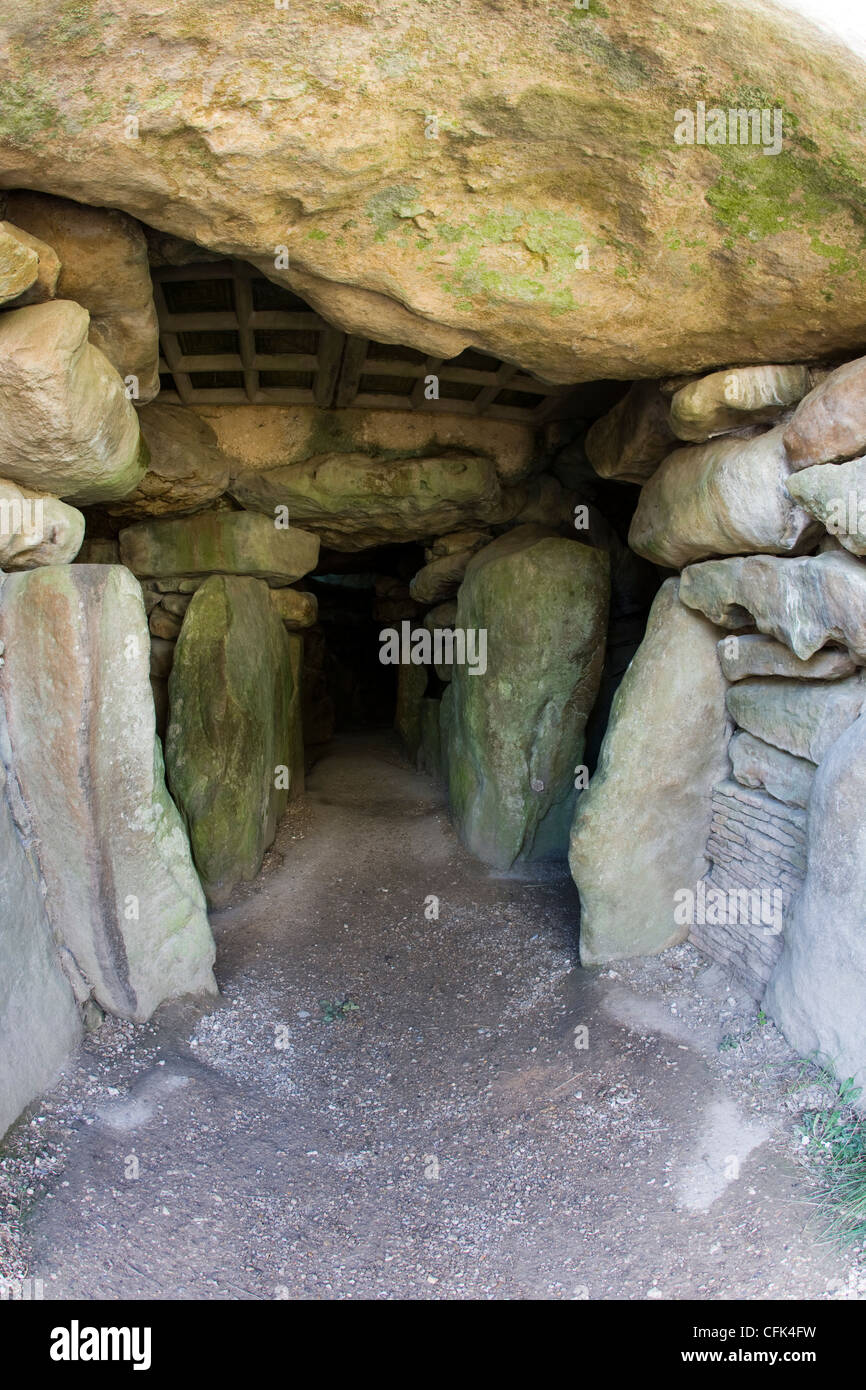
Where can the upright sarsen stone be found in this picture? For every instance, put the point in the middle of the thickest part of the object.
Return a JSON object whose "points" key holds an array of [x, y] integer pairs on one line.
{"points": [[122, 896], [514, 732], [39, 1021], [229, 746], [640, 830]]}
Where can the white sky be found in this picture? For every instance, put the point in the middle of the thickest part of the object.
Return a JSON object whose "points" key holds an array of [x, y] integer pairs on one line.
{"points": [[845, 18]]}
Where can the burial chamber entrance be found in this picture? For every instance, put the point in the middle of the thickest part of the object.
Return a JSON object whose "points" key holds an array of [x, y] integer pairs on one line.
{"points": [[400, 468]]}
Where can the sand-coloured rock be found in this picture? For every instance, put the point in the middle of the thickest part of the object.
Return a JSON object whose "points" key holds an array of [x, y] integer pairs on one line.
{"points": [[104, 268], [66, 425], [353, 501], [803, 718], [753, 654], [735, 398], [805, 603], [36, 529], [186, 470], [720, 498], [630, 441], [541, 216], [297, 610], [830, 423], [44, 286], [755, 763], [19, 265]]}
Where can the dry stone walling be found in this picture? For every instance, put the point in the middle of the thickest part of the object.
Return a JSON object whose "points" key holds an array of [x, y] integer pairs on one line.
{"points": [[464, 241], [735, 738]]}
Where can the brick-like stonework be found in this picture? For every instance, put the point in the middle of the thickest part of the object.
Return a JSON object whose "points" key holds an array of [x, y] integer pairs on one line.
{"points": [[756, 843]]}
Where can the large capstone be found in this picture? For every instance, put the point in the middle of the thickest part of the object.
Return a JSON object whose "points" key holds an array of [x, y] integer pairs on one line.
{"points": [[564, 215], [817, 994], [122, 895], [219, 543], [515, 729], [720, 498], [229, 747], [66, 425], [640, 830]]}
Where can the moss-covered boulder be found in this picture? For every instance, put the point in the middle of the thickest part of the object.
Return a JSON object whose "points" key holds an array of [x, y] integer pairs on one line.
{"points": [[506, 178], [353, 502], [411, 685], [513, 731], [229, 746], [219, 543]]}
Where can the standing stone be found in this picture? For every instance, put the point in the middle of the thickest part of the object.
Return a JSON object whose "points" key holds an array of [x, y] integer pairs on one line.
{"points": [[805, 602], [229, 747], [103, 253], [817, 994], [830, 423], [66, 425], [430, 749], [720, 498], [296, 713], [122, 895], [515, 732], [39, 1021], [219, 543], [630, 441], [740, 396], [411, 685], [36, 529], [640, 830], [802, 717]]}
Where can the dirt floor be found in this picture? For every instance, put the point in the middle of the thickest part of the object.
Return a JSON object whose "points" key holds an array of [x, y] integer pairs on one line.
{"points": [[390, 1103]]}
